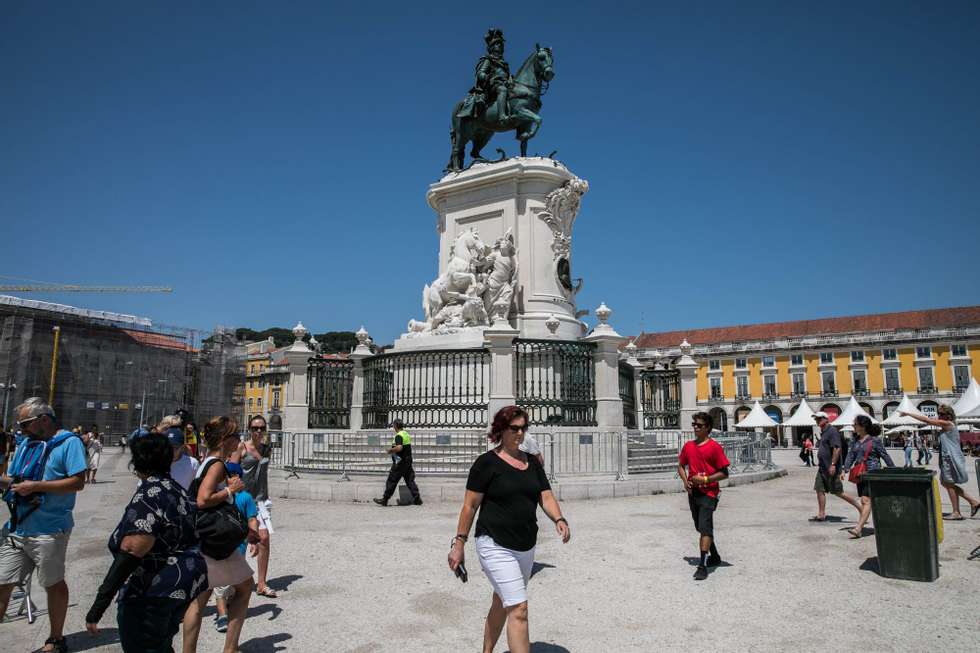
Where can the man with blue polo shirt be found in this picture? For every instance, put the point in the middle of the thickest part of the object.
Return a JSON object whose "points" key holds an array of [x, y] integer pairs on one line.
{"points": [[39, 538]]}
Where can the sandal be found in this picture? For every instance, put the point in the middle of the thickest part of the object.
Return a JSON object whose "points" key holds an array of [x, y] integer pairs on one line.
{"points": [[854, 534], [267, 592], [960, 518], [57, 645], [818, 519], [974, 510]]}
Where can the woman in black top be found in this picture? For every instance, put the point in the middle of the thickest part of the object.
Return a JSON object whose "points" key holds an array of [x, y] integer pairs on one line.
{"points": [[506, 486]]}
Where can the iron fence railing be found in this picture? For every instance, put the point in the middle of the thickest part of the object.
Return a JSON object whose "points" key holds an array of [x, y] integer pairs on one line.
{"points": [[329, 390], [554, 381]]}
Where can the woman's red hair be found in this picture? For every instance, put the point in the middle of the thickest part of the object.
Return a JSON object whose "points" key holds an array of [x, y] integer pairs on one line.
{"points": [[502, 420]]}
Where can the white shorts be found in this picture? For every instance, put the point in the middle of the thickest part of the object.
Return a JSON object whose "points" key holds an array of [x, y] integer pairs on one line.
{"points": [[508, 570], [265, 516]]}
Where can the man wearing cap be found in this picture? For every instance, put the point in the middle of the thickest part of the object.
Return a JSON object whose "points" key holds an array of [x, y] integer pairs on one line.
{"points": [[184, 467], [830, 463]]}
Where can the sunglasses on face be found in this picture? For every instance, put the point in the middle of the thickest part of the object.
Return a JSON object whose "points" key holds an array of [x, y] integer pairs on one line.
{"points": [[698, 425], [517, 428], [256, 428], [23, 424]]}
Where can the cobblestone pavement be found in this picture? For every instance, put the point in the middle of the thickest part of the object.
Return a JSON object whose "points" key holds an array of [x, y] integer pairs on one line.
{"points": [[357, 578]]}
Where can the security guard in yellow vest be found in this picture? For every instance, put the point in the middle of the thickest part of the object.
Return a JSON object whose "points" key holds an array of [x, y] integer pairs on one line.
{"points": [[401, 465]]}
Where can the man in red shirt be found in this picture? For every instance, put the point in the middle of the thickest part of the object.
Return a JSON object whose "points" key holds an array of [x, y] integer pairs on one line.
{"points": [[702, 463]]}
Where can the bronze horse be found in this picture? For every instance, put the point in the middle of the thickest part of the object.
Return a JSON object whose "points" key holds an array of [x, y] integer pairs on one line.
{"points": [[523, 102]]}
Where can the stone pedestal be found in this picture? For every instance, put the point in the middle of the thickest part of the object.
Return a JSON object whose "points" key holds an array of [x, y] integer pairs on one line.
{"points": [[514, 195], [609, 405], [500, 342], [296, 414], [688, 369]]}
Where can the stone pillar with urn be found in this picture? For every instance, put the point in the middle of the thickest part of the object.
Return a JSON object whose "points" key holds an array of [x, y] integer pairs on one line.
{"points": [[609, 405], [360, 354], [631, 360], [688, 369], [296, 414], [500, 342]]}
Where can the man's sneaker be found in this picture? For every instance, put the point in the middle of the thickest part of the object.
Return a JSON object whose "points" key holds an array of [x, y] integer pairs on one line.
{"points": [[381, 502], [417, 502], [701, 573], [714, 561], [221, 623]]}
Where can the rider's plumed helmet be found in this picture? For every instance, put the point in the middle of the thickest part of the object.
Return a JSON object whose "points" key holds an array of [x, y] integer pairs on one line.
{"points": [[494, 35]]}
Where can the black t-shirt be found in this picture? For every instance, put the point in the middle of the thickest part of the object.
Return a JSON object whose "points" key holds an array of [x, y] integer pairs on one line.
{"points": [[829, 440], [510, 500]]}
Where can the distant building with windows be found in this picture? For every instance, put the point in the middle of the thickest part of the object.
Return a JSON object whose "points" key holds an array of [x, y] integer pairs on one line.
{"points": [[266, 375], [929, 355]]}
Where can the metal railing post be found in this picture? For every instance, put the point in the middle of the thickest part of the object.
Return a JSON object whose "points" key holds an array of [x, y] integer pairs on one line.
{"points": [[291, 468], [622, 449], [344, 460], [552, 476]]}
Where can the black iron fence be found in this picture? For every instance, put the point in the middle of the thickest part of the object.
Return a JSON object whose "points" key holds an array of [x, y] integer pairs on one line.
{"points": [[554, 381], [627, 392], [329, 388], [661, 399], [426, 389]]}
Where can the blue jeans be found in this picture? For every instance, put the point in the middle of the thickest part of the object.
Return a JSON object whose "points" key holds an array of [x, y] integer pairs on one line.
{"points": [[908, 456]]}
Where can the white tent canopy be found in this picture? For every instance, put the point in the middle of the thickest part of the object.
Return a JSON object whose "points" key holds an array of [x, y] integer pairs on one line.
{"points": [[756, 419], [852, 410], [802, 417], [970, 401], [971, 416], [907, 406]]}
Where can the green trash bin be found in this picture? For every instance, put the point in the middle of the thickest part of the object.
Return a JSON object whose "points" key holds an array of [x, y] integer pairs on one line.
{"points": [[904, 511]]}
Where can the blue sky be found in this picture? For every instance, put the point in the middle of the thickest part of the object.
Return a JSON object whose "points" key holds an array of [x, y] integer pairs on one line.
{"points": [[748, 162]]}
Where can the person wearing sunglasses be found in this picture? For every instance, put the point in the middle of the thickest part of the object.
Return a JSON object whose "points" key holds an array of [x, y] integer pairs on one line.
{"points": [[255, 453], [40, 536], [701, 465]]}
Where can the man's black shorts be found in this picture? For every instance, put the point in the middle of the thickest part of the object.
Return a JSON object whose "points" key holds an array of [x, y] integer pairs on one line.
{"points": [[703, 512]]}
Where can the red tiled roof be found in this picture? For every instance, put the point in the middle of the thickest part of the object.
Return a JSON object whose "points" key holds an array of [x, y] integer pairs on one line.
{"points": [[160, 340], [940, 317]]}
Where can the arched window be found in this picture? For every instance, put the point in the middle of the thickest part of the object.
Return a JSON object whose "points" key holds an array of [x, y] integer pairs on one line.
{"points": [[833, 411], [887, 410], [740, 413], [720, 418], [867, 408]]}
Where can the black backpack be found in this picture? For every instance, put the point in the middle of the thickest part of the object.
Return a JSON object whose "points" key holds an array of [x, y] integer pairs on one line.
{"points": [[220, 529]]}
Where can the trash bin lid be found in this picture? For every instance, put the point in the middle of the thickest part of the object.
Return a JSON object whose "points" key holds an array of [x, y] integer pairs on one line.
{"points": [[911, 475]]}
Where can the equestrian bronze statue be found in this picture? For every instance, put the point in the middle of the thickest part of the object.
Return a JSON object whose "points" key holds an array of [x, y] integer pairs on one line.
{"points": [[499, 102]]}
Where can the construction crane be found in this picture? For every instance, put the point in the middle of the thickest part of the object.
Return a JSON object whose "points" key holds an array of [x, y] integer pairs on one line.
{"points": [[73, 288]]}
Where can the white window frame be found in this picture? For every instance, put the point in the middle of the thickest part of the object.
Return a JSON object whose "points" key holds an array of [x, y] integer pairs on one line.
{"points": [[775, 385], [884, 356], [714, 365], [792, 380], [854, 374], [860, 353], [800, 364], [898, 378], [823, 386], [923, 358], [826, 353], [964, 356], [771, 364], [745, 364], [932, 373], [739, 379], [712, 383]]}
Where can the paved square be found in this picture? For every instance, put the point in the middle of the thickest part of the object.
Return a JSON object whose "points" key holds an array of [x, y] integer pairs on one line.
{"points": [[363, 579]]}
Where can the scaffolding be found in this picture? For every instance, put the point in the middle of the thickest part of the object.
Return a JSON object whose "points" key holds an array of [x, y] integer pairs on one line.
{"points": [[112, 370]]}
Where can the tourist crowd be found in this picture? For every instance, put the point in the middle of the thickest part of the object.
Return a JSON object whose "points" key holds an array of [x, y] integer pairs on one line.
{"points": [[183, 535]]}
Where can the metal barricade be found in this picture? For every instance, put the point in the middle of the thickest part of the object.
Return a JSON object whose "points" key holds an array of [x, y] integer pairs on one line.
{"points": [[584, 453], [447, 453]]}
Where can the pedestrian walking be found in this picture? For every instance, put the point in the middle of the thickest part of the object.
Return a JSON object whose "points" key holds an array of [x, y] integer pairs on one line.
{"points": [[48, 470], [255, 454], [808, 451], [909, 446], [530, 446], [866, 454], [401, 465], [245, 504], [701, 465], [214, 487], [157, 569], [190, 439], [506, 485], [829, 468], [917, 445], [183, 468], [93, 448], [952, 463]]}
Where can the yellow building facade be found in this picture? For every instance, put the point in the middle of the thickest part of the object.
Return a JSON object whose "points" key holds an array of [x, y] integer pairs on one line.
{"points": [[265, 382], [929, 355]]}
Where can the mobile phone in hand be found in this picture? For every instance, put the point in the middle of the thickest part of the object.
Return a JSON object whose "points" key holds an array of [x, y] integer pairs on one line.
{"points": [[461, 572]]}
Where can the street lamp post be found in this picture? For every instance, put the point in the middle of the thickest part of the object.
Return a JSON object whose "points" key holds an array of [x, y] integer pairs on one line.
{"points": [[163, 403], [7, 388]]}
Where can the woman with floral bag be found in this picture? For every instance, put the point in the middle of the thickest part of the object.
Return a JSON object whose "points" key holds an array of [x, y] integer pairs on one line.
{"points": [[865, 454]]}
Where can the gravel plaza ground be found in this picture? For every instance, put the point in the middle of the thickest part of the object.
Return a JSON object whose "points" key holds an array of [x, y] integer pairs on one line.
{"points": [[357, 578]]}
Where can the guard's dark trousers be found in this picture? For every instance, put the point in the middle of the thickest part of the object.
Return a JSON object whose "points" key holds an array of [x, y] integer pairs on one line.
{"points": [[401, 471]]}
